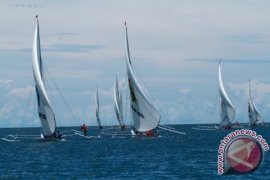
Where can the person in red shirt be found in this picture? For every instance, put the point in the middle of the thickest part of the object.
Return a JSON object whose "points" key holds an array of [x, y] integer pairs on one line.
{"points": [[150, 133], [84, 129]]}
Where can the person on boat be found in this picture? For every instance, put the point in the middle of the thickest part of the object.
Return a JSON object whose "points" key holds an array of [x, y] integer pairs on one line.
{"points": [[237, 124], [84, 129], [150, 133], [58, 135]]}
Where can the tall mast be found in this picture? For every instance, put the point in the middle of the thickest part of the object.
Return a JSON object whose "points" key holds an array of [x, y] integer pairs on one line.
{"points": [[127, 43], [97, 110], [39, 49]]}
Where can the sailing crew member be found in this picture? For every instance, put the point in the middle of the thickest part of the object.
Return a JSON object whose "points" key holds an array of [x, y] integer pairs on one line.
{"points": [[150, 133], [84, 129], [58, 135]]}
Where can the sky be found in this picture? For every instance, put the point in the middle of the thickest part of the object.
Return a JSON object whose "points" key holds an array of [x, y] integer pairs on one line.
{"points": [[175, 48]]}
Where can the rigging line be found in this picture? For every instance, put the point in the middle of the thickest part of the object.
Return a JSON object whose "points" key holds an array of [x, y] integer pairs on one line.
{"points": [[124, 101], [34, 108], [126, 104], [48, 86], [27, 107], [165, 126], [174, 131], [61, 95], [202, 129], [218, 105], [31, 96], [148, 100], [144, 88], [34, 113]]}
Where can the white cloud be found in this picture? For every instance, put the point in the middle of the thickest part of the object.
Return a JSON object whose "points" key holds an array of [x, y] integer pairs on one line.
{"points": [[7, 84], [6, 110], [184, 91], [15, 106], [260, 92], [22, 92]]}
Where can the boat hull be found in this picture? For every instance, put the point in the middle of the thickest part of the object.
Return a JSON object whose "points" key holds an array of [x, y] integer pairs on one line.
{"points": [[153, 133]]}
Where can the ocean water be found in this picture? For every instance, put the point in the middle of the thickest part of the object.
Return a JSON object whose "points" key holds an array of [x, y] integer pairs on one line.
{"points": [[113, 156]]}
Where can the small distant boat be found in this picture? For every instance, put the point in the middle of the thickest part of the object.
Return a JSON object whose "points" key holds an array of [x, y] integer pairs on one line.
{"points": [[45, 111], [145, 117], [97, 111], [227, 111], [118, 105], [254, 116]]}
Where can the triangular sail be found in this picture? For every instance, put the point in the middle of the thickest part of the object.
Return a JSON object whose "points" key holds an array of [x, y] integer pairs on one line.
{"points": [[118, 105], [255, 117], [45, 111], [97, 110], [227, 111], [145, 116]]}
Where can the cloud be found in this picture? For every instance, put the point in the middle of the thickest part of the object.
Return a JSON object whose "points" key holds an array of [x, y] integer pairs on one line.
{"points": [[249, 38], [16, 49], [67, 48], [72, 48], [184, 91], [260, 92], [258, 89], [14, 108], [189, 109], [77, 74], [27, 5], [6, 109], [7, 84], [11, 42], [22, 92], [231, 61], [66, 34]]}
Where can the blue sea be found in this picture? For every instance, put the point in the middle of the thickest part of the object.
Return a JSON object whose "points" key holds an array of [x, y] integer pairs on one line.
{"points": [[114, 154]]}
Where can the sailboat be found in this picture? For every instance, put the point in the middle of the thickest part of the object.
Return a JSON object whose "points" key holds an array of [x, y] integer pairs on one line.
{"points": [[145, 117], [118, 104], [45, 112], [255, 117], [227, 111], [97, 111]]}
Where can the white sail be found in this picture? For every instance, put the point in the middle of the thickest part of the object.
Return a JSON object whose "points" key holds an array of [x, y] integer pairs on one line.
{"points": [[255, 117], [118, 105], [145, 116], [259, 118], [46, 113], [227, 111], [97, 110]]}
